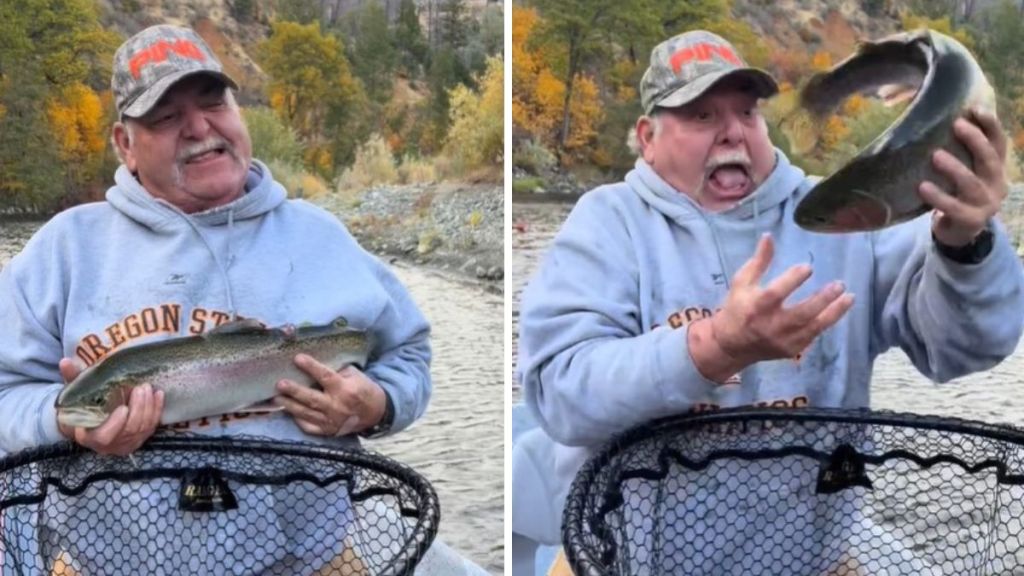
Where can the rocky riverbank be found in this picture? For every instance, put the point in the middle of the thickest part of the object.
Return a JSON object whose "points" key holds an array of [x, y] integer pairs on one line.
{"points": [[453, 228]]}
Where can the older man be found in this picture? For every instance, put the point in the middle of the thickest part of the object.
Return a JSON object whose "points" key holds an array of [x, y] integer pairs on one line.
{"points": [[689, 287], [194, 234]]}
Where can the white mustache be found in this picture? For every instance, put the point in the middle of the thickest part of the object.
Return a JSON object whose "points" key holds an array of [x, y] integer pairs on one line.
{"points": [[198, 148], [735, 157]]}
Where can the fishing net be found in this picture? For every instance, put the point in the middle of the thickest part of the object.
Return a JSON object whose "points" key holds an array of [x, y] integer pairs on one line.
{"points": [[801, 492], [200, 505]]}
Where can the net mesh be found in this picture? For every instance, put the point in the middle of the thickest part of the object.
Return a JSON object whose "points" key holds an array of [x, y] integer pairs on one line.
{"points": [[199, 505], [816, 492]]}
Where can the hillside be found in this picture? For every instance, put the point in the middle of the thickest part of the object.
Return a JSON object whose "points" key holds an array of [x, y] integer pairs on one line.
{"points": [[235, 40], [571, 147]]}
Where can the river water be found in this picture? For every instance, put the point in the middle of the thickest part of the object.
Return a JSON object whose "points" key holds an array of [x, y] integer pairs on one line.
{"points": [[993, 396], [459, 444]]}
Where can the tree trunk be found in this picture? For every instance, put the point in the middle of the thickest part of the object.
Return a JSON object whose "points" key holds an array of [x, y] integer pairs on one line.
{"points": [[574, 58]]}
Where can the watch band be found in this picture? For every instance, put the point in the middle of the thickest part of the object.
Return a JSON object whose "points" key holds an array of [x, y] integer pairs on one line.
{"points": [[386, 421], [971, 253]]}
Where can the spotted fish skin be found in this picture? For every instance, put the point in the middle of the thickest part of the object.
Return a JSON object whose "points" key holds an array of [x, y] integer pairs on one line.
{"points": [[878, 187], [233, 368]]}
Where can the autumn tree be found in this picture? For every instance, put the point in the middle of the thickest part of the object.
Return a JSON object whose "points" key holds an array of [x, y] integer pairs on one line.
{"points": [[476, 134], [50, 51], [313, 90], [582, 28], [539, 94], [75, 115], [272, 139]]}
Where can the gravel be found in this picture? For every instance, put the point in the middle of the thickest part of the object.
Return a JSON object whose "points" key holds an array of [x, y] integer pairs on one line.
{"points": [[453, 228]]}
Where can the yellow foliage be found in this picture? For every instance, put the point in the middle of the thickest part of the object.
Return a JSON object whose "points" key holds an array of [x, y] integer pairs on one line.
{"points": [[586, 113], [821, 61], [416, 171], [854, 105], [476, 135], [476, 217], [76, 118], [835, 131], [312, 186], [374, 165], [538, 95]]}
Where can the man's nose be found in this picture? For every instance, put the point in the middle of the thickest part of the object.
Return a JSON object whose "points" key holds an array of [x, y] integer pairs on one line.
{"points": [[196, 124], [732, 129]]}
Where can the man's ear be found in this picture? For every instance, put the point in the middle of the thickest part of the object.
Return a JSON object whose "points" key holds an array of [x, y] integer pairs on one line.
{"points": [[122, 142], [644, 136]]}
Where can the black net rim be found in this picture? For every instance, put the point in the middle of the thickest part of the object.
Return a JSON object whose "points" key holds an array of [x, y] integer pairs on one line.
{"points": [[586, 561], [427, 513]]}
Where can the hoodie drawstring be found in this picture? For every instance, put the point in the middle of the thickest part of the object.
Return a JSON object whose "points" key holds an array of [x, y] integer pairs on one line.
{"points": [[213, 254]]}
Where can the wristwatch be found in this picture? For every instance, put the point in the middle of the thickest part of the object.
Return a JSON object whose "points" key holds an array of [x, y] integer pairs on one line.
{"points": [[386, 421], [971, 253]]}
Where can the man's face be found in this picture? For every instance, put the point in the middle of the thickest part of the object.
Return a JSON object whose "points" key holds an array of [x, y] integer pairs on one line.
{"points": [[714, 149], [192, 148]]}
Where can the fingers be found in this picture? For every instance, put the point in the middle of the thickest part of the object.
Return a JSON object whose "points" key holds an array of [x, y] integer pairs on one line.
{"points": [[322, 373], [315, 411], [70, 368], [753, 269], [992, 129], [144, 409], [834, 312], [103, 436], [806, 311], [779, 289]]}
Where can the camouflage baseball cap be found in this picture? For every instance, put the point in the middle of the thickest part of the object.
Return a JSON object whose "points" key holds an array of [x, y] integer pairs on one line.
{"points": [[150, 62], [684, 66]]}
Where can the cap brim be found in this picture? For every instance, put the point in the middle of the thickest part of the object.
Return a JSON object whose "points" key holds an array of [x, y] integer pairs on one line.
{"points": [[150, 97], [763, 83]]}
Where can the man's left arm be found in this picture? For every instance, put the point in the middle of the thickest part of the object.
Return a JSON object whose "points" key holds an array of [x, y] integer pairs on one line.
{"points": [[965, 306], [402, 367]]}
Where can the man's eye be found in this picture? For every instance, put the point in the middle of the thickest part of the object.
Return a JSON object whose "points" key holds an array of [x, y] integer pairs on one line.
{"points": [[161, 118], [704, 116]]}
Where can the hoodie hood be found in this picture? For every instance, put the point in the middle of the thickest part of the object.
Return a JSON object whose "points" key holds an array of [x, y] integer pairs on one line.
{"points": [[783, 182], [262, 194]]}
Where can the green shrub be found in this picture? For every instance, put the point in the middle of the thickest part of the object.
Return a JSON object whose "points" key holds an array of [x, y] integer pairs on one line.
{"points": [[272, 139]]}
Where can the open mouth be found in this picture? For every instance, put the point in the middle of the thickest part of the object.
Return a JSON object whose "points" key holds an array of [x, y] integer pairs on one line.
{"points": [[206, 155], [730, 179]]}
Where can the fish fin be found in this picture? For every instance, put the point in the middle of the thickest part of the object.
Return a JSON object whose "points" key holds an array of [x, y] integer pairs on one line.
{"points": [[239, 326]]}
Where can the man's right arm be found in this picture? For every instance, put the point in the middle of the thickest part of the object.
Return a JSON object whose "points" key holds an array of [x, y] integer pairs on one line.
{"points": [[588, 368], [30, 349]]}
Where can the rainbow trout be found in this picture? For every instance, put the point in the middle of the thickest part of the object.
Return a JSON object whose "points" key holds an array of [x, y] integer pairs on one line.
{"points": [[878, 188], [230, 369]]}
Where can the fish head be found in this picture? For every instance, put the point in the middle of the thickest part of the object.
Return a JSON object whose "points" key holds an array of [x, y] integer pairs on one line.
{"points": [[85, 405], [834, 211]]}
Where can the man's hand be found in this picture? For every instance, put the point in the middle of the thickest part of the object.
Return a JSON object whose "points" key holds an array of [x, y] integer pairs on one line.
{"points": [[959, 217], [753, 325], [127, 427], [349, 402]]}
